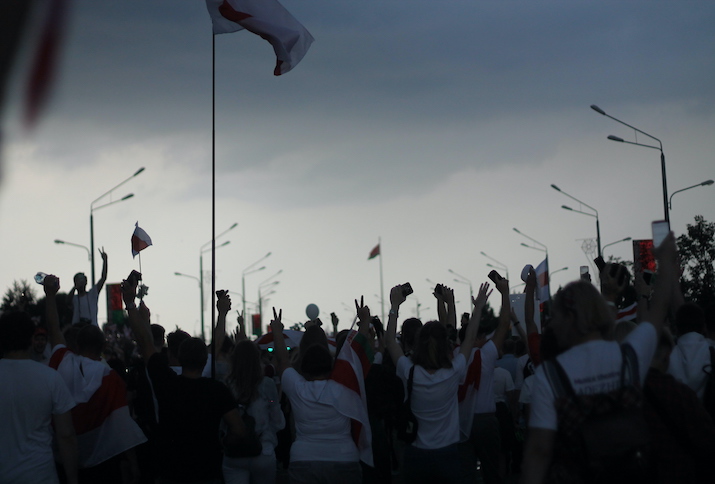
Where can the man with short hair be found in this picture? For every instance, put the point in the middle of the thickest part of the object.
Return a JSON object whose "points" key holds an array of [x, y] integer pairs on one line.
{"points": [[34, 400], [191, 407], [85, 303]]}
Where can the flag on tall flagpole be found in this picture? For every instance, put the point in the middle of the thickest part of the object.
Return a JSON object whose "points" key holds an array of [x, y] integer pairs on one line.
{"points": [[374, 252], [140, 240], [351, 367], [542, 281], [267, 18]]}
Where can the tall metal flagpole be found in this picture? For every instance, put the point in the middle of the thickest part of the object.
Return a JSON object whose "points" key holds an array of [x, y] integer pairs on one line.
{"points": [[213, 202], [382, 290]]}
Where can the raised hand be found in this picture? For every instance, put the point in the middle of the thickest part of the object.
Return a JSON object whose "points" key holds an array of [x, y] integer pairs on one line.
{"points": [[51, 285], [363, 312], [531, 279], [397, 297], [276, 324], [482, 295], [223, 302], [103, 254], [503, 286], [129, 287]]}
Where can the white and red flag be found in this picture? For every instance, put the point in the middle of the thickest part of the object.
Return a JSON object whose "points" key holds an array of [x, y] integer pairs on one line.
{"points": [[140, 240], [542, 281], [351, 367], [101, 418], [267, 18]]}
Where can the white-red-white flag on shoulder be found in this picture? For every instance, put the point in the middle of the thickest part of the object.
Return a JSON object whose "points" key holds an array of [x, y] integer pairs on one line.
{"points": [[140, 240], [267, 18]]}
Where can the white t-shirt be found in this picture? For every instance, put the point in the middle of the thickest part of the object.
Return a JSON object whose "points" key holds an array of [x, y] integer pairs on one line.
{"points": [[321, 432], [687, 360], [85, 307], [503, 383], [525, 394], [31, 394], [593, 368], [434, 401], [485, 396], [520, 365]]}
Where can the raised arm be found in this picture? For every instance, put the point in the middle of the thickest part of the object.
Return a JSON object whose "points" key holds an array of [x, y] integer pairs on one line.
{"points": [[448, 294], [441, 304], [103, 277], [668, 270], [504, 314], [474, 320], [364, 318], [279, 345], [241, 329], [529, 322], [51, 286], [139, 317], [223, 306], [396, 298]]}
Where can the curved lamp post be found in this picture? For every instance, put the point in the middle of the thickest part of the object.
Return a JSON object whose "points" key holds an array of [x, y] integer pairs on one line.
{"points": [[659, 147], [706, 183], [92, 208], [598, 225]]}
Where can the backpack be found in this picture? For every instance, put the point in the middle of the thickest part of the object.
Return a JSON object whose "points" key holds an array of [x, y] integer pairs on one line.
{"points": [[709, 395], [247, 446], [601, 438]]}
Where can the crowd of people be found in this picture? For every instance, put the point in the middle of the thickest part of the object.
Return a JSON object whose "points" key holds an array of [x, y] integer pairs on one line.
{"points": [[578, 399]]}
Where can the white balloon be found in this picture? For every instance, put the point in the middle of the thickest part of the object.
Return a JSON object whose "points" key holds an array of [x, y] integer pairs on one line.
{"points": [[312, 311]]}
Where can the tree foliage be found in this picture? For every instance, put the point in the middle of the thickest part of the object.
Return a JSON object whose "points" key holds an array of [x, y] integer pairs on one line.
{"points": [[697, 257], [20, 296]]}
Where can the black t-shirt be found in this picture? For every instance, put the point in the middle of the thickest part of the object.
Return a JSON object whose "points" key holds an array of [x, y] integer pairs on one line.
{"points": [[190, 412]]}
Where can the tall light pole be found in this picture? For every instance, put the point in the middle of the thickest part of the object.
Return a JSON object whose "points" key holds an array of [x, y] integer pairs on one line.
{"points": [[501, 264], [249, 270], [544, 249], [659, 147], [92, 208], [598, 226], [268, 282], [202, 250], [706, 183], [201, 294], [63, 242], [464, 280]]}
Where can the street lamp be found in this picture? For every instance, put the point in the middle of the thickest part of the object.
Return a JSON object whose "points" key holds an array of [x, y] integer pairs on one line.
{"points": [[558, 270], [545, 249], [201, 293], [703, 184], [249, 270], [503, 266], [261, 297], [659, 147], [626, 239], [464, 280], [598, 226], [92, 208], [89, 255]]}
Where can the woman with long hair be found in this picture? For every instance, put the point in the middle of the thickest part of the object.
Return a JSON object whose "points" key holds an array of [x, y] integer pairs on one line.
{"points": [[257, 396], [435, 375], [592, 378]]}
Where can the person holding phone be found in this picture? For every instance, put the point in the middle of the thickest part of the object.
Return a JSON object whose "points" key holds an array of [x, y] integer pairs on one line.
{"points": [[434, 455]]}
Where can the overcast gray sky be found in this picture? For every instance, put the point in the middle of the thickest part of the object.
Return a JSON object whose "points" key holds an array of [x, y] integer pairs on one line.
{"points": [[436, 126]]}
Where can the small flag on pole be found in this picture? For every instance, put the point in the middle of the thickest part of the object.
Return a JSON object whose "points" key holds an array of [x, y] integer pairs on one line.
{"points": [[374, 252], [542, 280], [270, 20], [140, 240]]}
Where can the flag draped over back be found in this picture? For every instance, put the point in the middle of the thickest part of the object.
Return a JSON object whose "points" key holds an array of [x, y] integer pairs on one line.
{"points": [[101, 419], [351, 367], [374, 252], [467, 392], [140, 240], [270, 20]]}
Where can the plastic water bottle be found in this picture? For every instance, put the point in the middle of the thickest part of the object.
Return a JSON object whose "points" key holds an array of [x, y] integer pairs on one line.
{"points": [[40, 277]]}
